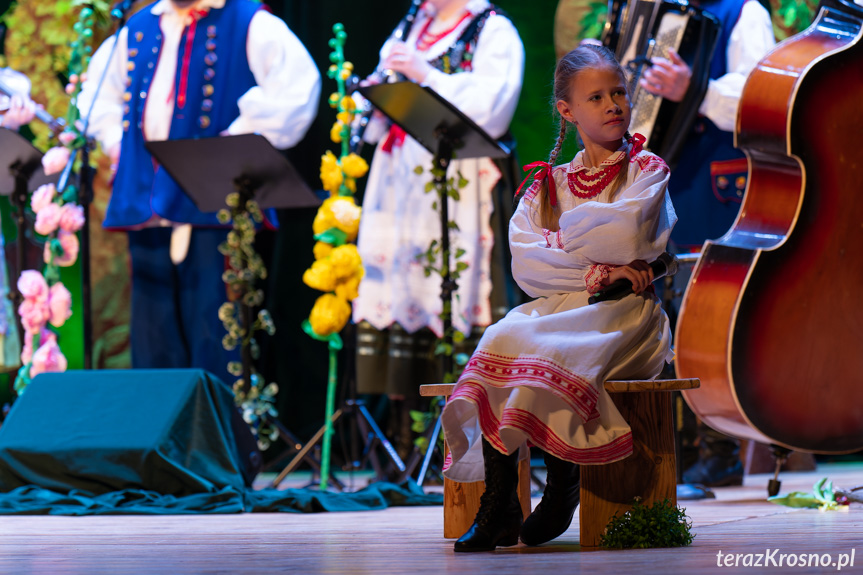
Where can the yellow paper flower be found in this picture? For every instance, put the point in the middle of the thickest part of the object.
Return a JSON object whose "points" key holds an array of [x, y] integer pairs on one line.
{"points": [[349, 288], [348, 104], [345, 214], [351, 184], [344, 261], [321, 276], [334, 99], [336, 132], [331, 173], [354, 166], [329, 314], [322, 250], [324, 220], [345, 117]]}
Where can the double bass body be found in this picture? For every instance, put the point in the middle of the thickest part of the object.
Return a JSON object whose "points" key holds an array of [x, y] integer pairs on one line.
{"points": [[772, 320]]}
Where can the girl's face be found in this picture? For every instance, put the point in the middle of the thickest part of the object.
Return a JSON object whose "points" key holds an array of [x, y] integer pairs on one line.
{"points": [[599, 107]]}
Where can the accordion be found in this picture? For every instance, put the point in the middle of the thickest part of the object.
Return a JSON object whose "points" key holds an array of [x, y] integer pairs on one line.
{"points": [[639, 30]]}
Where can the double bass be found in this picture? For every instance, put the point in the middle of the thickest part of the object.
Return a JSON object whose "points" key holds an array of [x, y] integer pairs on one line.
{"points": [[772, 319]]}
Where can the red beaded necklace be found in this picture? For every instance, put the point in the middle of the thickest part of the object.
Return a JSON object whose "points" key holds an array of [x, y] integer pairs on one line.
{"points": [[588, 186], [426, 40]]}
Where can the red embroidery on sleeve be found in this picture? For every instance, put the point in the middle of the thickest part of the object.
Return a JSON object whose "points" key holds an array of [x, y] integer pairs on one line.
{"points": [[594, 277]]}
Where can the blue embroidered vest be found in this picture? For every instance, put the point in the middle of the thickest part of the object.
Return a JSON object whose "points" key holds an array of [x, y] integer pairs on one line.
{"points": [[218, 75]]}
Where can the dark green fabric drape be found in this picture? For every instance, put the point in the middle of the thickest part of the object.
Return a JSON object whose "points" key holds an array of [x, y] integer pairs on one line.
{"points": [[148, 442]]}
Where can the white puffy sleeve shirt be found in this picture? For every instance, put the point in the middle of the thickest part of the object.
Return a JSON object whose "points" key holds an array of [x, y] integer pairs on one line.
{"points": [[751, 39], [281, 107], [634, 224], [488, 95]]}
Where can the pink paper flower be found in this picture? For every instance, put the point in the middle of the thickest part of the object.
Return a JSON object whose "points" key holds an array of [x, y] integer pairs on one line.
{"points": [[47, 219], [27, 350], [34, 314], [71, 217], [70, 244], [48, 358], [33, 286], [43, 196], [55, 160], [66, 137], [60, 305]]}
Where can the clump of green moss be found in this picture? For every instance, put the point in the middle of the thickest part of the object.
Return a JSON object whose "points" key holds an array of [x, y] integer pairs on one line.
{"points": [[660, 525]]}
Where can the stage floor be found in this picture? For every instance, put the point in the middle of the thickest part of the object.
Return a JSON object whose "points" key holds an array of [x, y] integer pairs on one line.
{"points": [[409, 540]]}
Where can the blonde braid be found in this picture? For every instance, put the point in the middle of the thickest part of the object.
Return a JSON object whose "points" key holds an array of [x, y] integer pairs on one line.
{"points": [[548, 214]]}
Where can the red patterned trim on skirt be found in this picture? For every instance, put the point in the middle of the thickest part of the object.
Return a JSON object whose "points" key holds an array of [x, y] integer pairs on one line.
{"points": [[538, 433], [543, 437], [503, 371]]}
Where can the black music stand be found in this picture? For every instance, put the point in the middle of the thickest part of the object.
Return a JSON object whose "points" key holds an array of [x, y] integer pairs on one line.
{"points": [[22, 175], [448, 134], [208, 170]]}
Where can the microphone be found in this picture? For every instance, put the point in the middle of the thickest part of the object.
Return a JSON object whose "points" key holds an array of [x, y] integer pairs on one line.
{"points": [[665, 265], [121, 8]]}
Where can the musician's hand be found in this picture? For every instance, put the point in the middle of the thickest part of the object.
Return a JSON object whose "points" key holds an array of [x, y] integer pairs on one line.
{"points": [[370, 81], [21, 111], [638, 272], [667, 78], [405, 61]]}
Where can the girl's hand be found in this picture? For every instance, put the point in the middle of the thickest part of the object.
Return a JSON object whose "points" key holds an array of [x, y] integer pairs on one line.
{"points": [[638, 272], [405, 61]]}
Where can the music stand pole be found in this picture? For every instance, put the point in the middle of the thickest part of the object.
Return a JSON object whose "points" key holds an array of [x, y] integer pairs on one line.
{"points": [[22, 173], [85, 198], [448, 286], [19, 201]]}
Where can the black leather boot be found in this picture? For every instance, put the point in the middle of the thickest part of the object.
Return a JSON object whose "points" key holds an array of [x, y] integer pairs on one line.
{"points": [[553, 515], [499, 518]]}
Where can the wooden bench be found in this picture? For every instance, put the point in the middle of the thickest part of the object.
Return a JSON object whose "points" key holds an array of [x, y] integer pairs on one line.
{"points": [[649, 473]]}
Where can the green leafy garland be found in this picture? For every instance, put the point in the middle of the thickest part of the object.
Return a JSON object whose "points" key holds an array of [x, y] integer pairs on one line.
{"points": [[254, 396], [445, 264]]}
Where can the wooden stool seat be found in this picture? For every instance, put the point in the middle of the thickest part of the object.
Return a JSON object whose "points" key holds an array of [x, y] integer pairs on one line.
{"points": [[649, 473]]}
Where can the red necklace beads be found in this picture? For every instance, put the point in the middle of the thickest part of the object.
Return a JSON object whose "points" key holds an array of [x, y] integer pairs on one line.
{"points": [[588, 186], [426, 40]]}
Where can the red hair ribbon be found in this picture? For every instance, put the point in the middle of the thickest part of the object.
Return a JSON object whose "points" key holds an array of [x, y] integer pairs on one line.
{"points": [[637, 141], [545, 171]]}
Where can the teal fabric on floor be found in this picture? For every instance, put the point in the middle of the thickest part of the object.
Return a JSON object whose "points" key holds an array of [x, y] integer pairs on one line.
{"points": [[171, 431], [31, 500], [148, 442]]}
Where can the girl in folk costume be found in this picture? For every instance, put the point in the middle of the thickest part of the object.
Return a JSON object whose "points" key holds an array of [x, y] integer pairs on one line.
{"points": [[471, 55], [537, 374]]}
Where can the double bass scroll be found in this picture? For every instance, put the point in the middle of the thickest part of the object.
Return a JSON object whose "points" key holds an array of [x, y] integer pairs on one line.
{"points": [[772, 320]]}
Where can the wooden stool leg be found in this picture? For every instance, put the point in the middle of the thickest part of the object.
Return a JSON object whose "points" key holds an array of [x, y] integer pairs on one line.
{"points": [[649, 473], [461, 501]]}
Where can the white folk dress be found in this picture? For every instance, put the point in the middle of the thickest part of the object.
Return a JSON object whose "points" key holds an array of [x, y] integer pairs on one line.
{"points": [[537, 374], [399, 222]]}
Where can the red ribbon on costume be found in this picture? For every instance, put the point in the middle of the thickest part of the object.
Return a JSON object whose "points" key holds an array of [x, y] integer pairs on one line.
{"points": [[545, 171], [396, 137], [187, 56], [637, 141]]}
